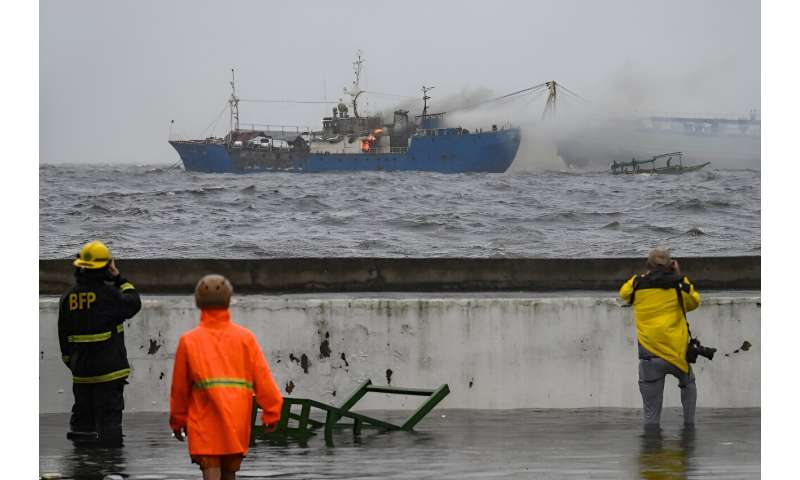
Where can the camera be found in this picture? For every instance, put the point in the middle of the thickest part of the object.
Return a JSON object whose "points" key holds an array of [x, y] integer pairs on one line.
{"points": [[695, 348]]}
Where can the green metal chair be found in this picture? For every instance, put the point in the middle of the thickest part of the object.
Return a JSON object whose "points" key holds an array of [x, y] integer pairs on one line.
{"points": [[305, 425]]}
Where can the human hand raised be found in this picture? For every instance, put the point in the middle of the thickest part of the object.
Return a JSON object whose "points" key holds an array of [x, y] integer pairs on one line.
{"points": [[675, 267], [112, 267]]}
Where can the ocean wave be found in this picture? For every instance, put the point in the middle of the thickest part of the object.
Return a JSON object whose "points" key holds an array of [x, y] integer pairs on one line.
{"points": [[695, 232], [337, 218], [692, 204], [307, 202], [416, 223], [134, 211], [556, 216], [662, 228], [372, 245], [394, 214]]}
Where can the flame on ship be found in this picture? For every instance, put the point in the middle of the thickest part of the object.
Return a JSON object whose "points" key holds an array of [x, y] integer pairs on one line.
{"points": [[367, 143]]}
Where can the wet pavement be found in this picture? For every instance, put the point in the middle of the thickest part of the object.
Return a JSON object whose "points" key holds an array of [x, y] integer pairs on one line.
{"points": [[448, 444]]}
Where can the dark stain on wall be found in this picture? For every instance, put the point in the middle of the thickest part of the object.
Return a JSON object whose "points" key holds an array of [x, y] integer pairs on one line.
{"points": [[344, 359], [389, 373], [293, 358], [154, 346], [325, 348], [289, 387], [471, 381], [745, 347], [304, 363], [161, 376]]}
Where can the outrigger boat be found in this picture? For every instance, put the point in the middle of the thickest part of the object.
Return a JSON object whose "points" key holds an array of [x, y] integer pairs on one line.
{"points": [[669, 163]]}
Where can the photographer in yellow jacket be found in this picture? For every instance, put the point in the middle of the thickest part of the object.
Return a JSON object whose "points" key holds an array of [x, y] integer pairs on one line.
{"points": [[660, 297]]}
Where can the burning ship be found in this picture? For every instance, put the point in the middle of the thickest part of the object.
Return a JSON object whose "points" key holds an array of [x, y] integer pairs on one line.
{"points": [[351, 142]]}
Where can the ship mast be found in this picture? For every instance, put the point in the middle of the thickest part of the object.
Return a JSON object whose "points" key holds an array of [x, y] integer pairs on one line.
{"points": [[425, 99], [356, 90], [234, 104]]}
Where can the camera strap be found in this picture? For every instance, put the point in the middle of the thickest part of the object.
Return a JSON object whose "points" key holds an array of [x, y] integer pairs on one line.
{"points": [[678, 289]]}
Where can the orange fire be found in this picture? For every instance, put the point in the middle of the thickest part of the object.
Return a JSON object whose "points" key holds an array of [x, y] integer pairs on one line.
{"points": [[366, 143]]}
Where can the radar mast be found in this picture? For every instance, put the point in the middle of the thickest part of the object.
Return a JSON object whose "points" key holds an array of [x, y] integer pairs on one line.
{"points": [[356, 90], [425, 99]]}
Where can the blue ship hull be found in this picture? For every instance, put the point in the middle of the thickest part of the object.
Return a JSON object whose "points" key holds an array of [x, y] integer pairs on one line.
{"points": [[492, 151]]}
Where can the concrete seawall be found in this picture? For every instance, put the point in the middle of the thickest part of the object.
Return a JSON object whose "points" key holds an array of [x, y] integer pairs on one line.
{"points": [[496, 351], [407, 274]]}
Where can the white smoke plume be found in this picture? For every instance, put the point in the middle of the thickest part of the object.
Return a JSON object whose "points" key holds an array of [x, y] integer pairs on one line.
{"points": [[588, 134], [538, 149]]}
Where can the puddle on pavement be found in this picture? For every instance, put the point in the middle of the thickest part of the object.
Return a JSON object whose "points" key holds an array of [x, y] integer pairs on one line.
{"points": [[448, 444]]}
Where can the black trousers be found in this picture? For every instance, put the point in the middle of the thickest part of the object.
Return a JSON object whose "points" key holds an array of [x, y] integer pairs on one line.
{"points": [[98, 408]]}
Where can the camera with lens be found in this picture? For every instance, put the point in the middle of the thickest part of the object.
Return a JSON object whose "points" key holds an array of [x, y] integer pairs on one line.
{"points": [[695, 348]]}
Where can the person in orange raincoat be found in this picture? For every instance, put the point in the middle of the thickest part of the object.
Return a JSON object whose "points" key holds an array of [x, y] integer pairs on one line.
{"points": [[218, 367]]}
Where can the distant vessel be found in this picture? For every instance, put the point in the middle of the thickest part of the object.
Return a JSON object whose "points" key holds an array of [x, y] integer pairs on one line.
{"points": [[353, 143], [726, 142], [665, 163]]}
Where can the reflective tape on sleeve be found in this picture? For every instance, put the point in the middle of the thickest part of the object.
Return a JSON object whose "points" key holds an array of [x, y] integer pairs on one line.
{"points": [[223, 382], [95, 337], [126, 286]]}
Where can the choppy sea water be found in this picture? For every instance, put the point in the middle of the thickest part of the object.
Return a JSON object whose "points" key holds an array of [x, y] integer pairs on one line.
{"points": [[448, 444], [151, 211]]}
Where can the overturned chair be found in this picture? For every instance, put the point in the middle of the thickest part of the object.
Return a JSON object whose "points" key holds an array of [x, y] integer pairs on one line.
{"points": [[303, 427]]}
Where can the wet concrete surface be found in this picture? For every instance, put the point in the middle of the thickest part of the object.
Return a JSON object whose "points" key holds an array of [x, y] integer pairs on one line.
{"points": [[448, 444]]}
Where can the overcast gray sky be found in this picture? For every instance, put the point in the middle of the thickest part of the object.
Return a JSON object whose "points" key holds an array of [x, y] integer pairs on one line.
{"points": [[113, 74]]}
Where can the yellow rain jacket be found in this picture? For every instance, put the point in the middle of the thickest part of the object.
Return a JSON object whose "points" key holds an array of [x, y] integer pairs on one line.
{"points": [[660, 324]]}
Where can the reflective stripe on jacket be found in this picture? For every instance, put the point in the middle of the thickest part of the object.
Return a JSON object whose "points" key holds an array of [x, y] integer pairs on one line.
{"points": [[218, 367], [660, 324], [91, 326]]}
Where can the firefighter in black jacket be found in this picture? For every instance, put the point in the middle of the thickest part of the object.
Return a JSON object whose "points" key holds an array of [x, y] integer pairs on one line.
{"points": [[91, 319]]}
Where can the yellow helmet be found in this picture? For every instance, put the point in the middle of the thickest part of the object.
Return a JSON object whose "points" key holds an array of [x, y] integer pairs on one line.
{"points": [[93, 255]]}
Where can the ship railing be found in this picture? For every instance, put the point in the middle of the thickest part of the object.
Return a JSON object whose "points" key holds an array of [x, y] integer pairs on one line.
{"points": [[284, 130], [219, 140]]}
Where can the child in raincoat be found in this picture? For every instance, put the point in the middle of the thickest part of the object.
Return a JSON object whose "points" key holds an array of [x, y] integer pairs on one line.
{"points": [[219, 366]]}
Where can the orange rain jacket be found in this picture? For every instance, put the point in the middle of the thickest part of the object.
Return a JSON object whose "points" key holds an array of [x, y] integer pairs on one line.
{"points": [[218, 367]]}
